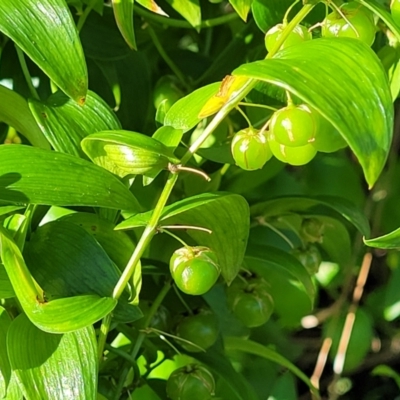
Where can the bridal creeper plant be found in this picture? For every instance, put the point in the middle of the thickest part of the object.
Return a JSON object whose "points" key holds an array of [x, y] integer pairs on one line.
{"points": [[190, 192]]}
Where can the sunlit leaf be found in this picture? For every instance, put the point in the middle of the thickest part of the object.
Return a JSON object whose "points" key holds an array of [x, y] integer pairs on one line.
{"points": [[190, 10], [65, 123], [52, 178], [15, 112], [5, 368], [47, 33], [242, 7], [361, 110], [123, 11], [53, 367]]}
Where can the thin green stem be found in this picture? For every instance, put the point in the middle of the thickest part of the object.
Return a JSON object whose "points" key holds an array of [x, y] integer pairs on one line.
{"points": [[244, 116], [286, 17], [242, 103], [182, 242], [26, 73], [177, 23], [168, 60], [104, 329], [182, 300], [84, 15]]}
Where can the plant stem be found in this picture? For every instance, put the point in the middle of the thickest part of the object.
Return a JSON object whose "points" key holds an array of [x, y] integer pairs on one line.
{"points": [[26, 73], [166, 57], [177, 23], [84, 15], [104, 329]]}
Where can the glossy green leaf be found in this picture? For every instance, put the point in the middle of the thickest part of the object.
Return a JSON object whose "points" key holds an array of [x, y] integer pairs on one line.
{"points": [[290, 284], [169, 136], [53, 367], [65, 123], [117, 244], [5, 368], [47, 33], [361, 110], [226, 215], [190, 10], [127, 153], [268, 13], [56, 316], [6, 289], [66, 260], [389, 241], [242, 7], [52, 178], [184, 114], [13, 389], [15, 112], [239, 388], [383, 13], [123, 11], [312, 205], [152, 6], [256, 349]]}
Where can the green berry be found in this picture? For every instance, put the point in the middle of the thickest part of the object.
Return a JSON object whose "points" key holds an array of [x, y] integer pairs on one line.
{"points": [[298, 35]]}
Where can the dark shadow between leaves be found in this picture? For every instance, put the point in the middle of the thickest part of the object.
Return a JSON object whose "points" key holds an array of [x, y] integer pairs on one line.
{"points": [[9, 194]]}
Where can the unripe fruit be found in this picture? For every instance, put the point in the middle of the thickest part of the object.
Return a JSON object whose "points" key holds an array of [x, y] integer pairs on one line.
{"points": [[200, 329], [292, 155], [250, 149], [359, 23], [312, 230], [310, 258], [294, 125], [192, 382], [250, 301], [298, 35], [194, 269], [167, 90]]}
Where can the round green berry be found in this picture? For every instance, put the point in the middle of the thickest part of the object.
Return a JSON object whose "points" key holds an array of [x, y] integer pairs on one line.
{"points": [[298, 35]]}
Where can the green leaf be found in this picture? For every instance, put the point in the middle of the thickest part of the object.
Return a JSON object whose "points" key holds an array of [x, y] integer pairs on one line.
{"points": [[190, 10], [53, 367], [152, 6], [66, 260], [222, 367], [52, 178], [312, 206], [184, 114], [256, 349], [117, 244], [48, 35], [5, 368], [290, 284], [385, 370], [169, 136], [225, 214], [65, 123], [383, 14], [127, 153], [6, 289], [242, 7], [123, 11], [56, 316], [391, 304], [268, 13], [308, 71], [389, 241], [14, 111]]}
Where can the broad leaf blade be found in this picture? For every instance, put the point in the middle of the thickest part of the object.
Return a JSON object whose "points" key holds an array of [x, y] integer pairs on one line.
{"points": [[190, 10], [65, 123], [242, 7], [389, 241], [123, 12], [361, 110], [51, 178], [184, 114], [56, 316], [14, 111], [53, 367], [312, 206], [5, 368], [256, 349], [152, 6], [46, 32]]}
